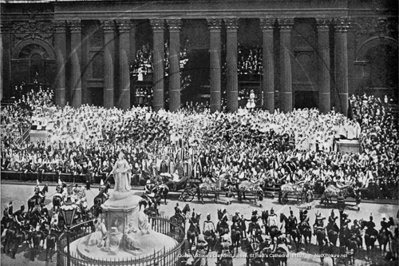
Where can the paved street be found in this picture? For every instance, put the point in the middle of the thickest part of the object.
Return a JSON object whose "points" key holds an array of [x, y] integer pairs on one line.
{"points": [[19, 194]]}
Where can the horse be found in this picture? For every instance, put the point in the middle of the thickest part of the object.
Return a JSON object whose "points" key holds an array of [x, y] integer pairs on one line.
{"points": [[254, 187], [332, 232], [35, 238], [383, 240], [370, 237], [333, 191], [57, 202], [205, 188], [264, 216], [291, 230], [51, 240], [193, 231], [298, 189], [235, 236], [210, 238], [306, 232], [352, 245], [162, 191], [321, 238]]}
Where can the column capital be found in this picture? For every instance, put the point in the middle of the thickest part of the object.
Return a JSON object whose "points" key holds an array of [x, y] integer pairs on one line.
{"points": [[285, 23], [75, 25], [323, 23], [231, 23], [59, 25], [267, 23], [123, 25], [342, 24], [108, 25], [214, 23], [157, 24], [174, 24]]}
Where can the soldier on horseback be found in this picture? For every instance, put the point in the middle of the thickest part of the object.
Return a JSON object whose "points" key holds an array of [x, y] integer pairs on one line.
{"points": [[319, 228], [303, 217], [209, 230], [356, 232], [292, 221], [253, 225], [385, 226]]}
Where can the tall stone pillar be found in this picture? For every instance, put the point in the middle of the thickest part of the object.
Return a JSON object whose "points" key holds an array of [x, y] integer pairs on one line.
{"points": [[341, 62], [124, 70], [4, 58], [267, 25], [324, 85], [109, 62], [231, 59], [158, 27], [76, 58], [60, 53], [285, 25], [215, 63], [174, 60]]}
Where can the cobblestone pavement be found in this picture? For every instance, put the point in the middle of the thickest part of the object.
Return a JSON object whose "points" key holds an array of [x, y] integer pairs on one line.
{"points": [[20, 193]]}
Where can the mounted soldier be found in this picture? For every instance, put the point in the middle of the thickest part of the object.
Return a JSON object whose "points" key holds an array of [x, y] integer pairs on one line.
{"points": [[253, 225], [209, 231]]}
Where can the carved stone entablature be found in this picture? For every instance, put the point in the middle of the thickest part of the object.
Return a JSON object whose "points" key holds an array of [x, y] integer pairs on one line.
{"points": [[323, 23], [342, 24], [231, 23], [174, 24], [108, 25], [157, 24], [285, 23], [214, 23], [32, 29], [372, 26], [267, 23]]}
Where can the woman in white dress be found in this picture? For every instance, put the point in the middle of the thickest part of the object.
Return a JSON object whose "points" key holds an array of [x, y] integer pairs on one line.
{"points": [[121, 174]]}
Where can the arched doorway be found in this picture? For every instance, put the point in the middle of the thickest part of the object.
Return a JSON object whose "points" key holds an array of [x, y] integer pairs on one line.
{"points": [[32, 63], [382, 69], [378, 62]]}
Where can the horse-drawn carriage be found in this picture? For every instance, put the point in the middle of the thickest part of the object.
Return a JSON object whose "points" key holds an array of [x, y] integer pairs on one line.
{"points": [[296, 192]]}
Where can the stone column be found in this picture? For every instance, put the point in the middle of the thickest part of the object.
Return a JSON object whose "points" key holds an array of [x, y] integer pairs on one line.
{"points": [[267, 25], [324, 64], [158, 27], [341, 62], [60, 53], [215, 63], [124, 71], [76, 58], [4, 58], [231, 59], [285, 25], [109, 62], [174, 60]]}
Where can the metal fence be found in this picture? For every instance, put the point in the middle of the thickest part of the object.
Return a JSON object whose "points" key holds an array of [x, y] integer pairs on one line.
{"points": [[165, 257]]}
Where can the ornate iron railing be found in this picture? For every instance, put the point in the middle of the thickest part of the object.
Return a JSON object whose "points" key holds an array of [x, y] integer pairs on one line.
{"points": [[165, 257]]}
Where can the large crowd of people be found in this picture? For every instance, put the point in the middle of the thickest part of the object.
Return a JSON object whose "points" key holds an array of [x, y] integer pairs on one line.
{"points": [[279, 147], [248, 145]]}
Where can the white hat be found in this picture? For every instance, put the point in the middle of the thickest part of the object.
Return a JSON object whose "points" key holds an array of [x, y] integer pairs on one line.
{"points": [[148, 182], [102, 182]]}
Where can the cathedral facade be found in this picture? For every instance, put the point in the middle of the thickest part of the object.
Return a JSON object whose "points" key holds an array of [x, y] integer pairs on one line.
{"points": [[168, 53]]}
